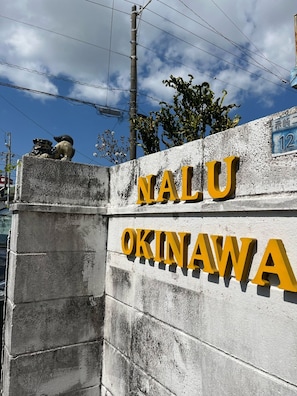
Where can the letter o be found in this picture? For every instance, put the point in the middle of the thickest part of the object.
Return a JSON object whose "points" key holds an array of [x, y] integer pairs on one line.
{"points": [[129, 241]]}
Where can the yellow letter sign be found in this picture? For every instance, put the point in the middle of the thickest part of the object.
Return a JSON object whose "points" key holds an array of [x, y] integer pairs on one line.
{"points": [[275, 261], [214, 168]]}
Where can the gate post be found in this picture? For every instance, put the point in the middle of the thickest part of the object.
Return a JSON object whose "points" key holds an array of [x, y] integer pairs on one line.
{"points": [[56, 280]]}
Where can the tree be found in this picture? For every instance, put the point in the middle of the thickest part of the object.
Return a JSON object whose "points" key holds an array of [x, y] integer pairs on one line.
{"points": [[115, 151], [193, 114]]}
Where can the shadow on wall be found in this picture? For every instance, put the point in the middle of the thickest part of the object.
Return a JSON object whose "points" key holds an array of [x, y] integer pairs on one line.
{"points": [[263, 291]]}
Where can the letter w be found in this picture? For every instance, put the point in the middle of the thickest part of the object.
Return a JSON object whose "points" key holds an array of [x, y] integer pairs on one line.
{"points": [[229, 256]]}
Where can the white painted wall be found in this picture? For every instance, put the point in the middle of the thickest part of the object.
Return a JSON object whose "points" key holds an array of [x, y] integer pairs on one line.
{"points": [[55, 293], [167, 331], [175, 332]]}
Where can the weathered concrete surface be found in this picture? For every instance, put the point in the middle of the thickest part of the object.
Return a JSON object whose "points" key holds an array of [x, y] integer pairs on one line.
{"points": [[58, 182], [48, 324], [55, 294], [259, 173], [188, 332], [80, 266], [72, 370], [167, 331]]}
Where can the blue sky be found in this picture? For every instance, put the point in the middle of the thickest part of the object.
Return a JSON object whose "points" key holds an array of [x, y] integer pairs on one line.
{"points": [[81, 49]]}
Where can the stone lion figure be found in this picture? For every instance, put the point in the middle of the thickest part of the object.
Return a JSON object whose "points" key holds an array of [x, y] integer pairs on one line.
{"points": [[63, 150]]}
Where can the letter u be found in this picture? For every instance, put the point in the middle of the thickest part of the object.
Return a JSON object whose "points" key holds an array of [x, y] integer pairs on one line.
{"points": [[213, 186]]}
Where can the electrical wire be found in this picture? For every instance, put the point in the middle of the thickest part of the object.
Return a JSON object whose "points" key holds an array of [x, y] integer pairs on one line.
{"points": [[105, 6], [109, 52], [62, 34], [258, 64], [211, 43], [40, 126], [14, 66], [76, 81], [97, 106], [213, 55], [215, 31], [245, 51], [188, 67], [38, 27], [237, 27], [131, 2]]}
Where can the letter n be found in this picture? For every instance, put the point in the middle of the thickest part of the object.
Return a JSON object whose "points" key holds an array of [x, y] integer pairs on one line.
{"points": [[176, 248], [146, 187]]}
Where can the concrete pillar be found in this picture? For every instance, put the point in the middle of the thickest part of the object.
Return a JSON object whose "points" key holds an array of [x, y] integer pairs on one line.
{"points": [[55, 293]]}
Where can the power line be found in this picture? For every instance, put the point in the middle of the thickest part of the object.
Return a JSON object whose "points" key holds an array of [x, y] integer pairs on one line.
{"points": [[39, 125], [109, 53], [97, 106], [105, 6], [14, 66], [245, 51], [109, 50], [131, 2], [211, 54], [189, 67], [67, 79], [62, 35], [214, 30], [258, 64], [249, 40]]}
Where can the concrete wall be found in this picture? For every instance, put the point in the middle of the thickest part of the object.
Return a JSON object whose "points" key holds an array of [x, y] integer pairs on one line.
{"points": [[168, 330], [55, 293], [174, 331]]}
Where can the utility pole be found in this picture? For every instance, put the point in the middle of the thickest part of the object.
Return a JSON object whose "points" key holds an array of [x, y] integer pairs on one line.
{"points": [[293, 78], [295, 23], [133, 89], [8, 167], [133, 86]]}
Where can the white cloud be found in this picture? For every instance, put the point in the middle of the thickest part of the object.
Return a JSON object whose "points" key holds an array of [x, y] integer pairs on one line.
{"points": [[189, 47]]}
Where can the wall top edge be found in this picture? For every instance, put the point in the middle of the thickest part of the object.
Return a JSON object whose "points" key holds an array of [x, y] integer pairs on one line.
{"points": [[45, 208], [278, 203]]}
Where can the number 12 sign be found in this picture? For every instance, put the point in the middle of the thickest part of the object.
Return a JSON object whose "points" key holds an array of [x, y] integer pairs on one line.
{"points": [[284, 135]]}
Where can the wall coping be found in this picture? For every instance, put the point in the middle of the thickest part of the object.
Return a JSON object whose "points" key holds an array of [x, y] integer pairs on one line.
{"points": [[57, 208], [283, 202]]}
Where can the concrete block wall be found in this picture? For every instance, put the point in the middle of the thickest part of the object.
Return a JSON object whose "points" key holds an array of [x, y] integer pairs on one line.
{"points": [[174, 331], [83, 318], [55, 293]]}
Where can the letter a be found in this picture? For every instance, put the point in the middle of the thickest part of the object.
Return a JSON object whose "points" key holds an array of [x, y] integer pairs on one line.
{"points": [[202, 256], [167, 188], [275, 261]]}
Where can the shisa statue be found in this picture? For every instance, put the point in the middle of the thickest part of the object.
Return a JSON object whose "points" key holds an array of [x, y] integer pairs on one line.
{"points": [[42, 148], [63, 150]]}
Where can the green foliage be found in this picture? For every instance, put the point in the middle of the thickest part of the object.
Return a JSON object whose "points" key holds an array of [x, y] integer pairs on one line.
{"points": [[9, 168], [147, 128], [194, 113]]}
